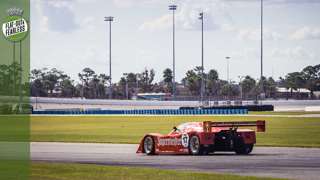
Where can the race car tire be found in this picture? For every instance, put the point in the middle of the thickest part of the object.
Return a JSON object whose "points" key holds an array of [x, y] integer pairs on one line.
{"points": [[195, 148], [242, 148], [148, 145]]}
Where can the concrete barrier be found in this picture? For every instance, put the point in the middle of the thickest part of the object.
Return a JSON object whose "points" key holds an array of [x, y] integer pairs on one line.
{"points": [[312, 108]]}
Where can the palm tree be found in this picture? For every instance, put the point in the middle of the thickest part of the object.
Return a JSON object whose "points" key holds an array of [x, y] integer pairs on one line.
{"points": [[84, 77], [167, 79]]}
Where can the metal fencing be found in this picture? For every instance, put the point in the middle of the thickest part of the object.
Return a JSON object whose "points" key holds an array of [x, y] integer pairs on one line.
{"points": [[146, 112]]}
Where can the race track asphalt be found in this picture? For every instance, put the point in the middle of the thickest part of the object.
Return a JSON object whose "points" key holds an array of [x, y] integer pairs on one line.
{"points": [[281, 162]]}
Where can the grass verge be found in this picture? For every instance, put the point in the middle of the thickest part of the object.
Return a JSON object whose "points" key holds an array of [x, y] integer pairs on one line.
{"points": [[283, 112], [281, 131], [65, 171]]}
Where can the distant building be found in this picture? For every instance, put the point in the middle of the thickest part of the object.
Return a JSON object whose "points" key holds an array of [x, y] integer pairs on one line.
{"points": [[152, 96], [300, 93], [56, 92]]}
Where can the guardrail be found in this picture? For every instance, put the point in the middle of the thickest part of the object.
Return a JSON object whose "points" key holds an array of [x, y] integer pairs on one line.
{"points": [[146, 112]]}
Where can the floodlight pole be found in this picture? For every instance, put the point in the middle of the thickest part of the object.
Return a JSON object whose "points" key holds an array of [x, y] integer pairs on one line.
{"points": [[228, 77], [202, 66], [173, 8], [109, 19], [261, 58], [20, 79], [14, 70], [228, 68], [261, 46]]}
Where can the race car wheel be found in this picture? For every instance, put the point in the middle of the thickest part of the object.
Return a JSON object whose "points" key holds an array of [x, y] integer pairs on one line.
{"points": [[148, 145], [195, 147], [241, 148]]}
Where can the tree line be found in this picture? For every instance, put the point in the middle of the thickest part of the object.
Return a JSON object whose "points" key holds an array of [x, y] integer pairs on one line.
{"points": [[55, 83]]}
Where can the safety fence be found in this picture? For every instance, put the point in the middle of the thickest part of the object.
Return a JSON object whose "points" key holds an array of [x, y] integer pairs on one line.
{"points": [[146, 112]]}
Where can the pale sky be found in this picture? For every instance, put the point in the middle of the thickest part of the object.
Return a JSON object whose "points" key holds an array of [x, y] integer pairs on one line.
{"points": [[71, 35]]}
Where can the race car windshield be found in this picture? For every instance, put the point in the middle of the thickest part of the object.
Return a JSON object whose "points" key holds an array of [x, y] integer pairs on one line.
{"points": [[190, 125], [182, 126]]}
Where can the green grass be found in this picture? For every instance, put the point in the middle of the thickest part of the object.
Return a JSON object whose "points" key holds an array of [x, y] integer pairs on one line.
{"points": [[14, 147], [284, 112], [281, 131], [63, 171]]}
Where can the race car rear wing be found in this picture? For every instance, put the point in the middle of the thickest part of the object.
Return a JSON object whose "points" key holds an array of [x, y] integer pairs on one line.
{"points": [[260, 124]]}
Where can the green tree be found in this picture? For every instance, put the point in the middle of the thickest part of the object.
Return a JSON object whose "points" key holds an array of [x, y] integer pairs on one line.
{"points": [[311, 77], [193, 82], [167, 75], [35, 74], [132, 80], [146, 79], [103, 79], [271, 87], [248, 86], [213, 75], [5, 80], [230, 90], [14, 76], [213, 85], [263, 84], [293, 81], [44, 81], [85, 77], [122, 86], [167, 79], [51, 79], [9, 79], [36, 85], [67, 88]]}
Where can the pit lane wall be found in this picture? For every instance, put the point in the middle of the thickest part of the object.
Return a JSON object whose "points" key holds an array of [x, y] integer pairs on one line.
{"points": [[143, 112]]}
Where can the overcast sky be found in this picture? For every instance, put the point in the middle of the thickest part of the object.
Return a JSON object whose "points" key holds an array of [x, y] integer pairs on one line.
{"points": [[71, 35]]}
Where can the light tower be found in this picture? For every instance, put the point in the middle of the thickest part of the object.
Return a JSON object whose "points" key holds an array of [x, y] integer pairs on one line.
{"points": [[261, 57], [261, 36], [228, 74], [228, 68], [173, 9], [109, 19], [202, 66]]}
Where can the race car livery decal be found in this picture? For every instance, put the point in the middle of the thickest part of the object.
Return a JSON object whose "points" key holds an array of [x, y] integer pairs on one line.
{"points": [[170, 142], [185, 140]]}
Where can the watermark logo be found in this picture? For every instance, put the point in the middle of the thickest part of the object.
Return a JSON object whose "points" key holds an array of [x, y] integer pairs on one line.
{"points": [[15, 27], [15, 12]]}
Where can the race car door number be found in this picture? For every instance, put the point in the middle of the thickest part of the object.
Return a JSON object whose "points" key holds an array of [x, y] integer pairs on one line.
{"points": [[185, 140]]}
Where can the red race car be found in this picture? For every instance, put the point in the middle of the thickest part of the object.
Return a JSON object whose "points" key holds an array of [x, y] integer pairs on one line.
{"points": [[198, 138]]}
